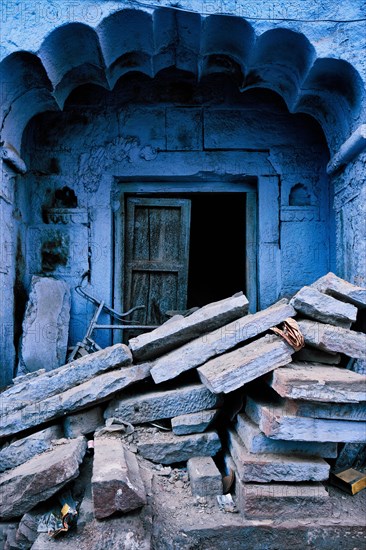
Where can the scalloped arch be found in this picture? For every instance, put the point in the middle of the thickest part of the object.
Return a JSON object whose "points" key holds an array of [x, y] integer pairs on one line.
{"points": [[282, 60]]}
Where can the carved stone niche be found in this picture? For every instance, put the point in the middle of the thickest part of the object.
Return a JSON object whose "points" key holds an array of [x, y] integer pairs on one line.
{"points": [[301, 205]]}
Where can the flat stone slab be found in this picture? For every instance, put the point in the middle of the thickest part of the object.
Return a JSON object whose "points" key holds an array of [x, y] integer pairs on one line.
{"points": [[283, 500], [45, 326], [26, 448], [313, 355], [167, 448], [84, 422], [194, 422], [234, 369], [314, 382], [179, 330], [330, 338], [331, 411], [339, 288], [324, 308], [116, 483], [272, 467], [204, 476], [39, 387], [39, 478], [200, 350], [348, 456], [162, 404], [80, 397], [275, 422], [256, 442]]}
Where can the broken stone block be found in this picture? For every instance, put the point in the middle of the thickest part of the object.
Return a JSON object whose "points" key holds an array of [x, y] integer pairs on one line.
{"points": [[330, 338], [204, 477], [167, 448], [116, 483], [45, 325], [313, 355], [46, 384], [86, 510], [193, 423], [74, 399], [26, 533], [275, 422], [335, 411], [341, 289], [200, 350], [347, 456], [358, 365], [162, 404], [272, 467], [314, 382], [84, 422], [179, 330], [40, 477], [256, 442], [282, 500], [324, 308], [26, 448], [7, 532], [232, 370]]}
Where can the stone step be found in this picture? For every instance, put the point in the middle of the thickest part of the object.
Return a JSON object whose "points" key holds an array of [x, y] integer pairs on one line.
{"points": [[46, 384], [200, 350], [283, 500], [147, 407], [74, 399], [257, 442], [314, 382], [26, 448], [192, 423], [40, 477], [116, 483], [330, 338], [341, 289], [167, 448], [265, 468], [275, 422], [204, 476], [234, 369], [180, 330], [321, 307], [313, 355]]}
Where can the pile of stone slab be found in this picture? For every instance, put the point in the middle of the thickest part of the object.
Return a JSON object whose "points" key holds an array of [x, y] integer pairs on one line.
{"points": [[218, 383]]}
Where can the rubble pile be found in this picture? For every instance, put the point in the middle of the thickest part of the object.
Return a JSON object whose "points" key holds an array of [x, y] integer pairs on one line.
{"points": [[218, 394]]}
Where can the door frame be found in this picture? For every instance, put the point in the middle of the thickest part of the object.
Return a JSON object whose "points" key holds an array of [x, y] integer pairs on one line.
{"points": [[177, 187]]}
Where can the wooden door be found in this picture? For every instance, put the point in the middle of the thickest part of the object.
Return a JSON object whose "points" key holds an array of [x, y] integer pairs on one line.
{"points": [[156, 256]]}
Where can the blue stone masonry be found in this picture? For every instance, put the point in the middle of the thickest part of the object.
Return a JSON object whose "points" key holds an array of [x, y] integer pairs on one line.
{"points": [[96, 95]]}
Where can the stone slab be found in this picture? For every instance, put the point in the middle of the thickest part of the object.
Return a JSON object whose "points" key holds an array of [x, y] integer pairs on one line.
{"points": [[321, 307], [39, 478], [341, 289], [283, 500], [116, 482], [147, 407], [167, 448], [357, 365], [330, 338], [200, 350], [314, 382], [258, 443], [45, 325], [24, 449], [265, 468], [234, 369], [80, 397], [314, 355], [347, 456], [331, 411], [275, 422], [179, 330], [194, 422], [84, 422], [204, 476]]}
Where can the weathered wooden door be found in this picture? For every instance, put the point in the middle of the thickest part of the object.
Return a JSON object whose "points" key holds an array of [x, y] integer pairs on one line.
{"points": [[156, 256]]}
